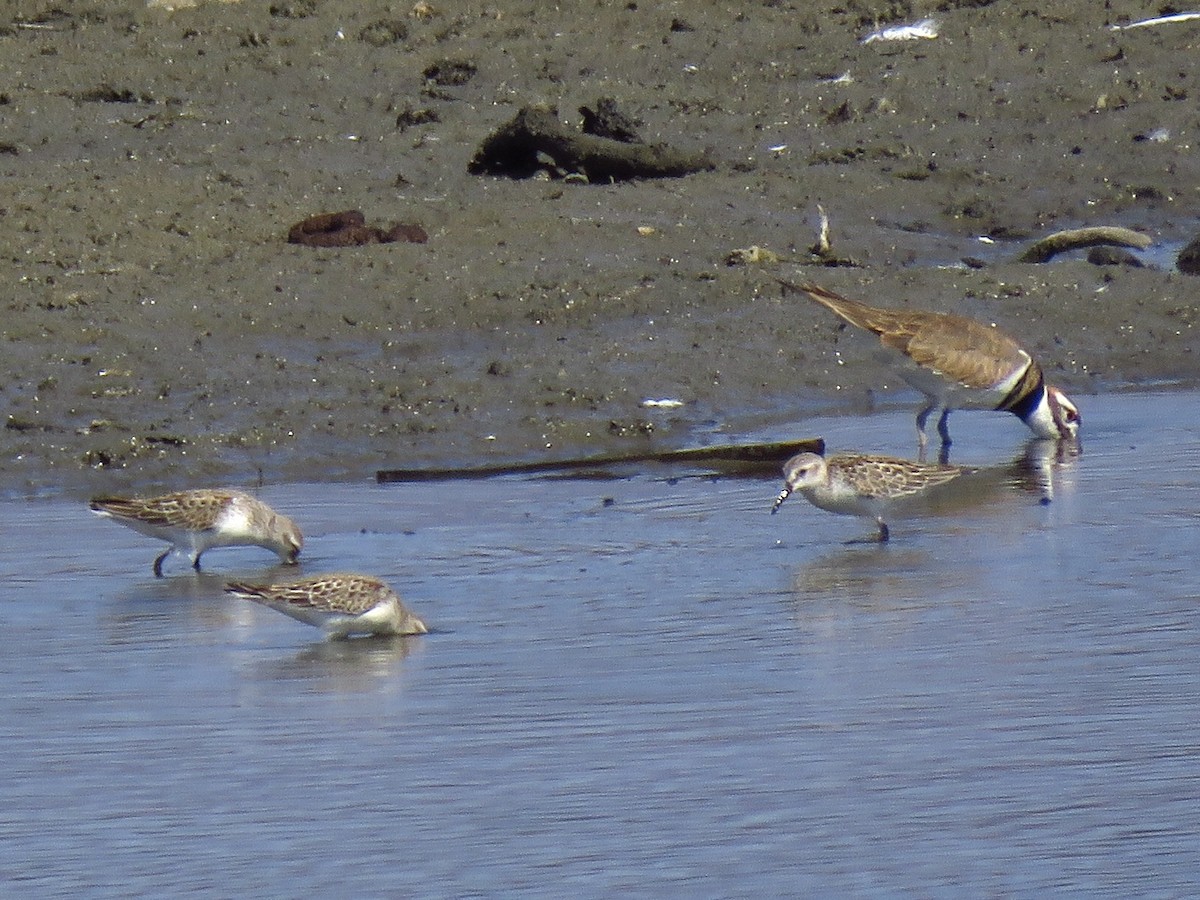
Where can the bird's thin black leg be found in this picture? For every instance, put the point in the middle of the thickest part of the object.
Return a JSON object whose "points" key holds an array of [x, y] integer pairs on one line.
{"points": [[944, 428], [922, 418]]}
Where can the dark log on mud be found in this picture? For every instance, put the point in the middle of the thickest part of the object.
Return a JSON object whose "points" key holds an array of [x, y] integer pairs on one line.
{"points": [[521, 148], [766, 458], [1048, 247]]}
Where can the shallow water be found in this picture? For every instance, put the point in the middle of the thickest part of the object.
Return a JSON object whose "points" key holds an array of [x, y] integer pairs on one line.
{"points": [[643, 687]]}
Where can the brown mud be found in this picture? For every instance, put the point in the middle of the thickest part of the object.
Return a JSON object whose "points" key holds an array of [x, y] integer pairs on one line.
{"points": [[158, 329]]}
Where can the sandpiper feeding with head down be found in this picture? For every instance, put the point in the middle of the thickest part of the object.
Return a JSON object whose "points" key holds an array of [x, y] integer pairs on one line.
{"points": [[958, 363], [854, 484], [195, 521], [341, 604]]}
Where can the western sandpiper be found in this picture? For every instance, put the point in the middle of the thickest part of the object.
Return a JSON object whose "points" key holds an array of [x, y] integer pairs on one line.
{"points": [[341, 604], [958, 363], [854, 484], [195, 521]]}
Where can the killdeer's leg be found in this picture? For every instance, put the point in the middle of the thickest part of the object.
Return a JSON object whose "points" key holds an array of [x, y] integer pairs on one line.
{"points": [[159, 561], [883, 530], [944, 428], [922, 418], [196, 561]]}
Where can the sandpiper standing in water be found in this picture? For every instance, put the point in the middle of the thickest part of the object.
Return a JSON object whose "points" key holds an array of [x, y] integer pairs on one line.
{"points": [[342, 604], [958, 363], [198, 520], [855, 484]]}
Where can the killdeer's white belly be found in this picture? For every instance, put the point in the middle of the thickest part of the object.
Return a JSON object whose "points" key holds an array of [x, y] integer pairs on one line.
{"points": [[953, 394]]}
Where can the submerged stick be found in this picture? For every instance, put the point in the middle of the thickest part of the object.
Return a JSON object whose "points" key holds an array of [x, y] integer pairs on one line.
{"points": [[1049, 247], [1157, 20], [765, 457]]}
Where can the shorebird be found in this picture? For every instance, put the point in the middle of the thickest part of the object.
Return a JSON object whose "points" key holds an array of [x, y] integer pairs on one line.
{"points": [[195, 521], [855, 484], [341, 604], [958, 363]]}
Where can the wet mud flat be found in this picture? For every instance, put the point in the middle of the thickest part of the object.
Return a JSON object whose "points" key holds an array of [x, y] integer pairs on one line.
{"points": [[159, 329]]}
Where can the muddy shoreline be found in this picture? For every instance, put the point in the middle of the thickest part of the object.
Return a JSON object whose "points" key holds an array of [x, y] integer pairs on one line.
{"points": [[160, 331]]}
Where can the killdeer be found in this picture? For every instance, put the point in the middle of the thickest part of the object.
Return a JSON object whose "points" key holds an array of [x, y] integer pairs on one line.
{"points": [[958, 363], [195, 521], [855, 484], [341, 604]]}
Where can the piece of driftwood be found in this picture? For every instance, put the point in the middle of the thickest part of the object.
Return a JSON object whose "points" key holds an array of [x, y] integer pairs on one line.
{"points": [[1048, 247], [1157, 20], [520, 148], [766, 457]]}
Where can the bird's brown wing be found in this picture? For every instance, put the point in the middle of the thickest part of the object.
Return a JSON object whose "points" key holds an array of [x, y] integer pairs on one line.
{"points": [[960, 349], [350, 594]]}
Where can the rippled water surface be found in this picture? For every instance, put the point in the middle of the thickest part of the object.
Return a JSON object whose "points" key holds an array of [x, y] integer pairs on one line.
{"points": [[635, 687]]}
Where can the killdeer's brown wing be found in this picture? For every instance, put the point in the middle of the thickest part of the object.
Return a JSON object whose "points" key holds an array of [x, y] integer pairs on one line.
{"points": [[957, 348], [962, 350]]}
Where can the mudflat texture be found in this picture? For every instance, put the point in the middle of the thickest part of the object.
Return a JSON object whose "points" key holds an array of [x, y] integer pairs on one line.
{"points": [[159, 329]]}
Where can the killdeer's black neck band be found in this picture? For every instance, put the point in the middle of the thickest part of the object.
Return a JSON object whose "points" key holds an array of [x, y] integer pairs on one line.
{"points": [[1022, 400]]}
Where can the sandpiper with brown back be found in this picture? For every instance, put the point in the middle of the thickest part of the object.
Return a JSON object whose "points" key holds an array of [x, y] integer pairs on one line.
{"points": [[198, 520], [343, 605], [859, 484]]}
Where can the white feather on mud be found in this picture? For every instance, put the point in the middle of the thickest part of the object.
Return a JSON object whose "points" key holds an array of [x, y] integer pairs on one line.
{"points": [[925, 28]]}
